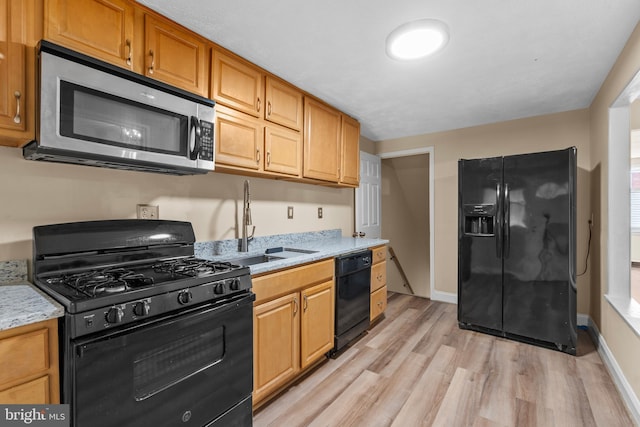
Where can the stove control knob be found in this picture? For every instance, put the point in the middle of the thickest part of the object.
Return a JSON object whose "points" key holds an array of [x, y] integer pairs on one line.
{"points": [[184, 297], [115, 315], [141, 308], [235, 284], [218, 289]]}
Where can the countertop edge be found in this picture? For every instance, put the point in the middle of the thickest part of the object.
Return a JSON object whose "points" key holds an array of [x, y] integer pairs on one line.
{"points": [[325, 248], [22, 303]]}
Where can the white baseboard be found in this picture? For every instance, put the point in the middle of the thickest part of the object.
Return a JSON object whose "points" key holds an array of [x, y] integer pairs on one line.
{"points": [[627, 393], [444, 297]]}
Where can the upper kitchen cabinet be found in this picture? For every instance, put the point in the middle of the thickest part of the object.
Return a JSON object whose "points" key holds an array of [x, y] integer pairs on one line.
{"points": [[20, 29], [284, 104], [350, 169], [322, 136], [237, 84], [102, 29], [248, 144], [242, 86], [175, 56]]}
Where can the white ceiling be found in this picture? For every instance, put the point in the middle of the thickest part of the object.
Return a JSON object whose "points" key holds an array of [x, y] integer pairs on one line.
{"points": [[506, 59]]}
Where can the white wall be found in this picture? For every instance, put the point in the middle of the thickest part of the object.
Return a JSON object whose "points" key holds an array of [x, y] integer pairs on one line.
{"points": [[36, 193]]}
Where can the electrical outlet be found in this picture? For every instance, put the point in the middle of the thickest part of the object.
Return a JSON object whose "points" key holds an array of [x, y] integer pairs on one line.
{"points": [[320, 213], [147, 211], [289, 212]]}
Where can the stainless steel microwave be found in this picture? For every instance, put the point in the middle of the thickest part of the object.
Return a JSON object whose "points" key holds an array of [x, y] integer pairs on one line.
{"points": [[96, 114]]}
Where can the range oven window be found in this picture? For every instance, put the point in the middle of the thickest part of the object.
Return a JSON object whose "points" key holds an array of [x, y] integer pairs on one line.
{"points": [[159, 368], [96, 116]]}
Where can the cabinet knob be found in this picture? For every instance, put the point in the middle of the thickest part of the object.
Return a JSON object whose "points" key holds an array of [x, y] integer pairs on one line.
{"points": [[17, 118], [128, 44], [153, 61]]}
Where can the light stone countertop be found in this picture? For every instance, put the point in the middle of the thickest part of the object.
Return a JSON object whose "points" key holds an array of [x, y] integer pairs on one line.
{"points": [[22, 303], [327, 244]]}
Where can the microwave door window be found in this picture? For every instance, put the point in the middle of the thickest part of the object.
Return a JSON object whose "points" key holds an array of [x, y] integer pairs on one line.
{"points": [[99, 117]]}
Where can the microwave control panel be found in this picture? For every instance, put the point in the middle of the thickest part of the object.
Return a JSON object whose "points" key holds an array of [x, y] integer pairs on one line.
{"points": [[206, 140]]}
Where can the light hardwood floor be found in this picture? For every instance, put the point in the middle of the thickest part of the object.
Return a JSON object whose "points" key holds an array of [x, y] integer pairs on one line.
{"points": [[417, 368]]}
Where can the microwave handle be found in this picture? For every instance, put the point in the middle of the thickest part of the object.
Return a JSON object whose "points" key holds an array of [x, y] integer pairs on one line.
{"points": [[197, 134]]}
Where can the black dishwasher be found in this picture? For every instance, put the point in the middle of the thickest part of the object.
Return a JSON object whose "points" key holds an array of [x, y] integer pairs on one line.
{"points": [[353, 287]]}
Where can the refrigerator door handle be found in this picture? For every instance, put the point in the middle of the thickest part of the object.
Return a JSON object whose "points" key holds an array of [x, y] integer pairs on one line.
{"points": [[498, 221], [507, 221]]}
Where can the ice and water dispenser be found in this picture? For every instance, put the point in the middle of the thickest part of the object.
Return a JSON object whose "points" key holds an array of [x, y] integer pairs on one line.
{"points": [[479, 220]]}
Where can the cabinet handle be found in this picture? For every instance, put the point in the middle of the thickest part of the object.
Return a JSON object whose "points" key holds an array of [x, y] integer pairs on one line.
{"points": [[379, 277], [304, 305], [295, 306], [153, 61], [259, 103], [127, 42], [258, 156], [268, 108], [17, 118], [268, 158]]}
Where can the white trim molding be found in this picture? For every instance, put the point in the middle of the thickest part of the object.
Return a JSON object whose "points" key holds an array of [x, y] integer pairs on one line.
{"points": [[433, 293], [625, 389]]}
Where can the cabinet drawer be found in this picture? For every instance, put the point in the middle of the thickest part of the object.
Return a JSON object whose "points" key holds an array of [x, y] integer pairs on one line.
{"points": [[290, 280], [379, 254], [378, 275], [24, 355], [33, 392], [378, 302]]}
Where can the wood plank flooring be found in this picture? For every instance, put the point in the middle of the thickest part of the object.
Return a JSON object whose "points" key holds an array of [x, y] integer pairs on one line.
{"points": [[417, 368]]}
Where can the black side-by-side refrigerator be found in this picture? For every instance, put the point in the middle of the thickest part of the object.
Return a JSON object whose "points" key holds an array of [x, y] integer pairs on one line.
{"points": [[517, 247]]}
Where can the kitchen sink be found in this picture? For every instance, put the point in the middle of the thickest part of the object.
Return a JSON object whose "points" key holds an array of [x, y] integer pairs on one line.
{"points": [[271, 254], [256, 259]]}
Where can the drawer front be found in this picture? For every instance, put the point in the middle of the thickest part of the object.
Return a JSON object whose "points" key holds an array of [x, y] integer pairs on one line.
{"points": [[378, 302], [286, 281], [378, 275], [379, 254], [34, 392], [25, 355]]}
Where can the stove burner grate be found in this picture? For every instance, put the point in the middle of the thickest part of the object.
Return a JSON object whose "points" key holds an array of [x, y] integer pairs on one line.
{"points": [[192, 266], [97, 282]]}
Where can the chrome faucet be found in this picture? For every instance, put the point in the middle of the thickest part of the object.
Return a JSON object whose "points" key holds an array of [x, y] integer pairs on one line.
{"points": [[246, 219]]}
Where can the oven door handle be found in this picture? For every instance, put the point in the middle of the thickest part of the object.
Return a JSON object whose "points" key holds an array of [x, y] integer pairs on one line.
{"points": [[195, 135]]}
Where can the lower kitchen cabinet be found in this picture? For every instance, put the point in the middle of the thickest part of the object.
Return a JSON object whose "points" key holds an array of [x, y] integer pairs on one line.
{"points": [[276, 338], [293, 324], [378, 282], [29, 357], [317, 330]]}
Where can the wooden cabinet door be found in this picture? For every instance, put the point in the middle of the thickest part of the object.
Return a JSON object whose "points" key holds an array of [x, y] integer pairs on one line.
{"points": [[321, 141], [237, 84], [284, 104], [317, 322], [174, 56], [283, 148], [100, 28], [239, 139], [13, 117], [378, 303], [378, 275], [350, 170], [276, 344]]}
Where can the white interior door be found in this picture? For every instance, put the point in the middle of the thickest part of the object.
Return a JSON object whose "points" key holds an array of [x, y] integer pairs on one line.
{"points": [[368, 207]]}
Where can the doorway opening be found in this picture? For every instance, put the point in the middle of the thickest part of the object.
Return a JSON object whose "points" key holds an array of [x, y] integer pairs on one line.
{"points": [[407, 218]]}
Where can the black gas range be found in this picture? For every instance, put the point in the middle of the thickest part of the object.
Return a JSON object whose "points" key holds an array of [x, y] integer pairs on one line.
{"points": [[155, 335]]}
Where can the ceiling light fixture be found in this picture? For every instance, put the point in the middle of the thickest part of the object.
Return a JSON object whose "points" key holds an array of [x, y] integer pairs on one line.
{"points": [[417, 39]]}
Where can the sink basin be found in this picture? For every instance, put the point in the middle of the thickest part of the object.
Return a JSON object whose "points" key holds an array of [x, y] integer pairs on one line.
{"points": [[253, 260], [287, 252]]}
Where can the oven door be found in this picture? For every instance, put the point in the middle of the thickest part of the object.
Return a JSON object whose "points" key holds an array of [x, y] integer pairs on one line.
{"points": [[181, 370]]}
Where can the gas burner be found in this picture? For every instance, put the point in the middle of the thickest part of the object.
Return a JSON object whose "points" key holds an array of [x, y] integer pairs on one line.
{"points": [[96, 282], [192, 267]]}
